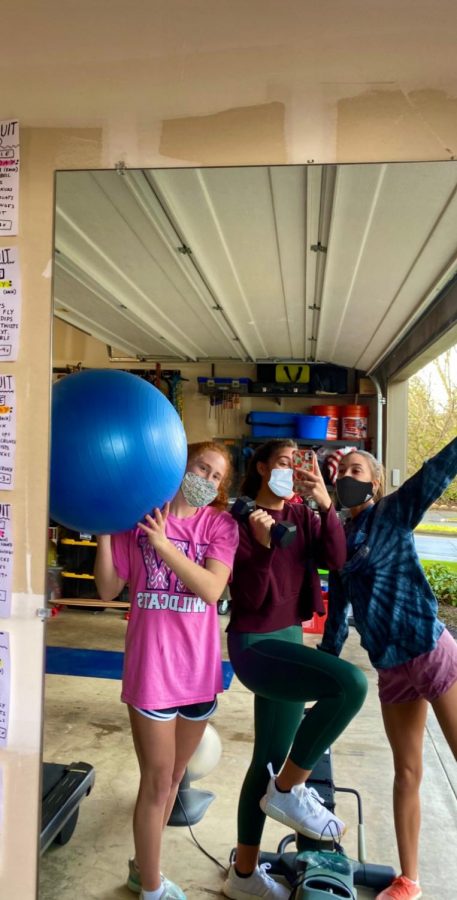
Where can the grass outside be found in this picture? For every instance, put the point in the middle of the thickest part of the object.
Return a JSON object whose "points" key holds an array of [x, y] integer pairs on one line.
{"points": [[436, 528], [452, 566], [447, 613]]}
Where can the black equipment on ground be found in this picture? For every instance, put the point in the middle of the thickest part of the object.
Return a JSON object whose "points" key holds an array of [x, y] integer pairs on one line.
{"points": [[63, 789], [282, 533], [190, 804], [320, 869]]}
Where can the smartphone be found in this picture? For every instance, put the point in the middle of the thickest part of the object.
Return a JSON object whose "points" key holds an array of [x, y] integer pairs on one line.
{"points": [[302, 461]]}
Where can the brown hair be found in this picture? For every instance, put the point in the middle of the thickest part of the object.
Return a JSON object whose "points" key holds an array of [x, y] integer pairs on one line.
{"points": [[253, 479], [378, 472], [193, 450]]}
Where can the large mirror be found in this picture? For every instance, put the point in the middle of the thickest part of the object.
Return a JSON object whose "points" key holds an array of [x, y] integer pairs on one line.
{"points": [[196, 279]]}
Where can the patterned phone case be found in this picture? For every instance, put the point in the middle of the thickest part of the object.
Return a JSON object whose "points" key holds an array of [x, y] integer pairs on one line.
{"points": [[302, 460]]}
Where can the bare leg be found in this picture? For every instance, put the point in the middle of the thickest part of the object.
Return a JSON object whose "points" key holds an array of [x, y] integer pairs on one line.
{"points": [[155, 748], [188, 736], [247, 857], [163, 750], [445, 708], [405, 724], [290, 775]]}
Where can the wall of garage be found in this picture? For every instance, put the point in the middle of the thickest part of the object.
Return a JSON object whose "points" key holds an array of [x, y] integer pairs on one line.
{"points": [[301, 91]]}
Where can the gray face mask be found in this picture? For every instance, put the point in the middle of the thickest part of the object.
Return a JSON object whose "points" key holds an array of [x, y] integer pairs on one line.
{"points": [[198, 491]]}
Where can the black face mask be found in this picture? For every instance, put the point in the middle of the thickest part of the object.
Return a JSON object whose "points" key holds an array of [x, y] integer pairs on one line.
{"points": [[351, 492]]}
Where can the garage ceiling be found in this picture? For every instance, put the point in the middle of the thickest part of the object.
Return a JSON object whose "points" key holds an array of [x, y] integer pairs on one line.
{"points": [[331, 263]]}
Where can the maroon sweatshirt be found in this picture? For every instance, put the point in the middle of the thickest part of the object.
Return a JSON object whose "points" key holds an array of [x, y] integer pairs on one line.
{"points": [[274, 588]]}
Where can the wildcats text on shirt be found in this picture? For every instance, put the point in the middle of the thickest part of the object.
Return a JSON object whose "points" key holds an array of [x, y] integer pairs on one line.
{"points": [[175, 602]]}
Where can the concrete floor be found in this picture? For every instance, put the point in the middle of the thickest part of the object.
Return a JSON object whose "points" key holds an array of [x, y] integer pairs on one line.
{"points": [[85, 721]]}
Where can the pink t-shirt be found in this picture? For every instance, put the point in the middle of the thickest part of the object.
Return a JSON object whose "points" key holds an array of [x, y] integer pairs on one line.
{"points": [[172, 649]]}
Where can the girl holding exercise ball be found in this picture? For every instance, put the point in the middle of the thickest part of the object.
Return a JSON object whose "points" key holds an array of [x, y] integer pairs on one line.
{"points": [[177, 562]]}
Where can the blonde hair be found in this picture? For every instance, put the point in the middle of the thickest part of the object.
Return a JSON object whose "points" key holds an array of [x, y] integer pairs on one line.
{"points": [[378, 472], [193, 450]]}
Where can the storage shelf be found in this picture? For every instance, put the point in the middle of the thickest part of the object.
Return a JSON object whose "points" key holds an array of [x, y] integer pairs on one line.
{"points": [[302, 395], [78, 543], [314, 442], [81, 575], [84, 601], [353, 397]]}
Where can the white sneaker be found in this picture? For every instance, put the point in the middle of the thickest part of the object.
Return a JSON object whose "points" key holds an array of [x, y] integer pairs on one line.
{"points": [[301, 809], [259, 884]]}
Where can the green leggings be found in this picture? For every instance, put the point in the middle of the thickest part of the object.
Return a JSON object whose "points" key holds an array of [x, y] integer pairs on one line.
{"points": [[284, 674]]}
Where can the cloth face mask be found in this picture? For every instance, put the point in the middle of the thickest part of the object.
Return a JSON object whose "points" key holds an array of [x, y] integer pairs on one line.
{"points": [[351, 492], [281, 482], [198, 491]]}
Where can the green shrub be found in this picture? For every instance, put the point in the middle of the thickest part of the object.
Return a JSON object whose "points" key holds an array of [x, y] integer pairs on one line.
{"points": [[443, 583]]}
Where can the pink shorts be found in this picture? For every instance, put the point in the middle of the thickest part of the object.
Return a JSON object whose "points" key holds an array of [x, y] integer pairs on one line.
{"points": [[428, 676]]}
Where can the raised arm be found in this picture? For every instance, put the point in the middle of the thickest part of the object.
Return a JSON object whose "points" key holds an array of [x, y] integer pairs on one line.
{"points": [[108, 583], [414, 497], [251, 570], [206, 581], [329, 542]]}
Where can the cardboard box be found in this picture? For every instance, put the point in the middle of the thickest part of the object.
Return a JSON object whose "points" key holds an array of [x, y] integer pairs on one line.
{"points": [[366, 386]]}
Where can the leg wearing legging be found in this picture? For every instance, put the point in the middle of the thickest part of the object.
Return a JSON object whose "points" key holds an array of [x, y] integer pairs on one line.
{"points": [[275, 726], [285, 675]]}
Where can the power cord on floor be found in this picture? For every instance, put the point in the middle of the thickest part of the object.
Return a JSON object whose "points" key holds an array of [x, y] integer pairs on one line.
{"points": [[294, 888], [212, 858]]}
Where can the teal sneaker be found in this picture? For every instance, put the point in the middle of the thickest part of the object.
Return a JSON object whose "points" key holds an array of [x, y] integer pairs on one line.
{"points": [[170, 891], [133, 880]]}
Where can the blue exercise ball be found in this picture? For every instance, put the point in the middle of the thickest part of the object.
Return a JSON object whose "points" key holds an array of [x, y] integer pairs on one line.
{"points": [[118, 450]]}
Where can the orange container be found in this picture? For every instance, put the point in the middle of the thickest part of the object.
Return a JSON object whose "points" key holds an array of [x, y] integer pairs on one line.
{"points": [[334, 420], [316, 625], [354, 422]]}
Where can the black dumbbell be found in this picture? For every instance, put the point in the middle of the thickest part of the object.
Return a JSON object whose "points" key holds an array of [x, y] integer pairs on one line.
{"points": [[281, 533]]}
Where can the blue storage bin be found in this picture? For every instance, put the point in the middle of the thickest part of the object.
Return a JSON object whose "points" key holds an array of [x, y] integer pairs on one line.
{"points": [[312, 427], [271, 424]]}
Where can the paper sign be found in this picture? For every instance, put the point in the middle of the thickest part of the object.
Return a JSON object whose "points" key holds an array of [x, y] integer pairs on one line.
{"points": [[6, 559], [7, 431], [4, 687], [9, 177], [10, 302]]}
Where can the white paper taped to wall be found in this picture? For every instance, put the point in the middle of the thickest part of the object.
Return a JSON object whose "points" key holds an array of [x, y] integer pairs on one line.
{"points": [[6, 559], [9, 177], [4, 687], [10, 302], [7, 431]]}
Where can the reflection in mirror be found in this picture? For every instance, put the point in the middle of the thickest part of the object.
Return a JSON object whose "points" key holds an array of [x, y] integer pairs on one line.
{"points": [[198, 278]]}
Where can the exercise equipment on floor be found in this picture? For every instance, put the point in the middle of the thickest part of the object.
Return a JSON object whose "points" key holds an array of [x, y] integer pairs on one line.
{"points": [[191, 803], [320, 869], [118, 450], [63, 789]]}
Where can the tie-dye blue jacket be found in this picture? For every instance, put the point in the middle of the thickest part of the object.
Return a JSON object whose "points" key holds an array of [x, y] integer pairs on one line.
{"points": [[394, 607]]}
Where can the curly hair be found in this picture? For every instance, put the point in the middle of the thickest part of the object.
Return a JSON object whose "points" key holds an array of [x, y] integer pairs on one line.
{"points": [[193, 450]]}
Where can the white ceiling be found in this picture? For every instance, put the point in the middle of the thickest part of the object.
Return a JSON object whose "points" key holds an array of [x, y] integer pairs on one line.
{"points": [[221, 263]]}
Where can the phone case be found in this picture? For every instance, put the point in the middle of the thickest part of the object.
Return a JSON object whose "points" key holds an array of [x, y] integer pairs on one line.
{"points": [[302, 460]]}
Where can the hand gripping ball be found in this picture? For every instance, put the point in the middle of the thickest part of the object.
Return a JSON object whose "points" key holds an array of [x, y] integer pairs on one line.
{"points": [[118, 450]]}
